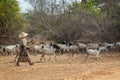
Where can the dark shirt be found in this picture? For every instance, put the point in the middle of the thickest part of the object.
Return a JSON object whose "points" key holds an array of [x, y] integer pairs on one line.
{"points": [[23, 50]]}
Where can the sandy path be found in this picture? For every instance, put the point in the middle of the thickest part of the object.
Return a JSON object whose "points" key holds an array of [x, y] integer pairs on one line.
{"points": [[108, 69]]}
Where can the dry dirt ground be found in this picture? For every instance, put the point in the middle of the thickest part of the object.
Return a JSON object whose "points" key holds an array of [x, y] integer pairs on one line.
{"points": [[63, 69]]}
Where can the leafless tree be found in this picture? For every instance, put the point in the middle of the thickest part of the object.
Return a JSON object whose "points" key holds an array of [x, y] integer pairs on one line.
{"points": [[70, 25]]}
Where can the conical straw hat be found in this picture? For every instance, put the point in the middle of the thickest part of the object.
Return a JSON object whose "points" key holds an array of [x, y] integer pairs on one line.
{"points": [[23, 34]]}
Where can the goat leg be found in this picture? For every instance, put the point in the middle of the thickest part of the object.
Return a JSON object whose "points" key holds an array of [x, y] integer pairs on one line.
{"points": [[49, 58], [86, 58], [42, 56]]}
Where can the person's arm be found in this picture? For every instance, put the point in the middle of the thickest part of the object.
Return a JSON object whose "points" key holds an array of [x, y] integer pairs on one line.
{"points": [[27, 53]]}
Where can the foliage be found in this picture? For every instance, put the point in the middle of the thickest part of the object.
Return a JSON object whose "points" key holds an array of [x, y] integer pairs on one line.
{"points": [[10, 16], [90, 7]]}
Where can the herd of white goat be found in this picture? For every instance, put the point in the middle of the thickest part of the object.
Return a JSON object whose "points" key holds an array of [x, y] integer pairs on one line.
{"points": [[56, 48]]}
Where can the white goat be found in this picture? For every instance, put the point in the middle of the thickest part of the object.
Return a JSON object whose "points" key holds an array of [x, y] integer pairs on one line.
{"points": [[73, 50], [104, 48], [11, 49], [117, 43], [64, 47], [93, 52], [82, 47], [73, 47], [37, 48], [47, 49], [93, 46], [109, 44]]}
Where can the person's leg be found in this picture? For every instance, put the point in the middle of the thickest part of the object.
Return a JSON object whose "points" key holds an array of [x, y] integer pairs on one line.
{"points": [[29, 61], [18, 60], [16, 57]]}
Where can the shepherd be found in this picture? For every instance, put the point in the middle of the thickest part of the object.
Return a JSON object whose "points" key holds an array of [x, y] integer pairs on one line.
{"points": [[23, 55]]}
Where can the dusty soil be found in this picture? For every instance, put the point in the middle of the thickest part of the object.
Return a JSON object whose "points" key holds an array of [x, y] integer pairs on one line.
{"points": [[63, 69]]}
